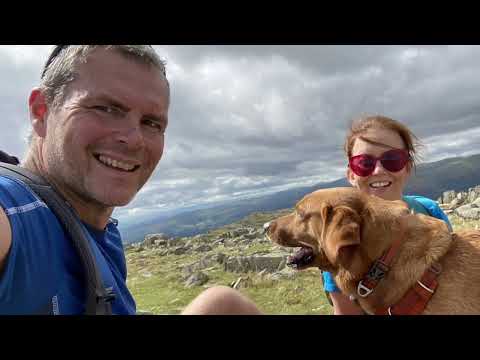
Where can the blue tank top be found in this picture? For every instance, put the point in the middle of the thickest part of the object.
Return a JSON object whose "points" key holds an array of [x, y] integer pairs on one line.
{"points": [[43, 273], [418, 204]]}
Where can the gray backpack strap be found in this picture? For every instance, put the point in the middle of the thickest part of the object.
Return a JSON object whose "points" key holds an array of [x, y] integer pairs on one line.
{"points": [[98, 298]]}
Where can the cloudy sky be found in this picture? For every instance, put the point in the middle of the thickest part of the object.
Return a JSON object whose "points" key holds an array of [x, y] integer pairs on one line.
{"points": [[245, 120]]}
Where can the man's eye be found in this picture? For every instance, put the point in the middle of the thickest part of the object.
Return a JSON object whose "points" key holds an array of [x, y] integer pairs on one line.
{"points": [[107, 109], [154, 125]]}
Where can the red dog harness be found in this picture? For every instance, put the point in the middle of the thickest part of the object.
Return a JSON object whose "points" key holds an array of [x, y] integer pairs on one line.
{"points": [[417, 297]]}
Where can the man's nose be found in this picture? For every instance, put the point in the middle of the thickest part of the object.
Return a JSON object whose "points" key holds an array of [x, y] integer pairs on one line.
{"points": [[130, 135]]}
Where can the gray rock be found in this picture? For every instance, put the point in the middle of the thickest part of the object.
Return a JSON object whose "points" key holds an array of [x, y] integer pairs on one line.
{"points": [[456, 203], [219, 258], [181, 250], [151, 238], [158, 252], [198, 265], [202, 248], [250, 236], [476, 203], [468, 212], [257, 263], [229, 243], [160, 242], [197, 279], [285, 273], [218, 242], [448, 196]]}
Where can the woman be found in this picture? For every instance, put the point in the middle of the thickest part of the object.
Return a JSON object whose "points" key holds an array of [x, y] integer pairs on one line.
{"points": [[381, 154]]}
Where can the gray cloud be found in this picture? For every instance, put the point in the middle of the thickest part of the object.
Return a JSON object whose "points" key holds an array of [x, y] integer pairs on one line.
{"points": [[247, 119]]}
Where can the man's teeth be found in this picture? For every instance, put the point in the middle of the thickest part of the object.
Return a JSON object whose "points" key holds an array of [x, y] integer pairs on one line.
{"points": [[380, 184], [115, 163]]}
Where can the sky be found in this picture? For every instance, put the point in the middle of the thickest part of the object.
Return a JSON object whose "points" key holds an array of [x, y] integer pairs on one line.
{"points": [[249, 120]]}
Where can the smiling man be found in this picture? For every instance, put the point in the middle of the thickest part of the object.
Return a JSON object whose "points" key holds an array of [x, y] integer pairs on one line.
{"points": [[98, 125]]}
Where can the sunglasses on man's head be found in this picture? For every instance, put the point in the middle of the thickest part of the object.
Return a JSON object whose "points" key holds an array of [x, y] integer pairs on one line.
{"points": [[391, 160]]}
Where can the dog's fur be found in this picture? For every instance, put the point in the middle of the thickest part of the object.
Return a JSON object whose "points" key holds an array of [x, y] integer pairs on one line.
{"points": [[349, 230]]}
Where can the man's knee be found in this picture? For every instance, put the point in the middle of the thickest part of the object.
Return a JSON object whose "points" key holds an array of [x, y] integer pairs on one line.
{"points": [[221, 300]]}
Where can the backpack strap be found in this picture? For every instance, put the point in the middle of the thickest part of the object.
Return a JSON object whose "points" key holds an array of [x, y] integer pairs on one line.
{"points": [[98, 298]]}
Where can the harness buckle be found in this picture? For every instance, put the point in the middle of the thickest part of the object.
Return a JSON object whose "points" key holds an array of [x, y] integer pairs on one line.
{"points": [[362, 290], [378, 271]]}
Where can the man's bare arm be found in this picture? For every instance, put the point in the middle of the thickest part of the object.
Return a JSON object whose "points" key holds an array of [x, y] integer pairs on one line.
{"points": [[5, 238]]}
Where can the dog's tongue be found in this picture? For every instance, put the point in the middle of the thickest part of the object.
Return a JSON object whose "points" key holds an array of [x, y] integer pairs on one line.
{"points": [[301, 258]]}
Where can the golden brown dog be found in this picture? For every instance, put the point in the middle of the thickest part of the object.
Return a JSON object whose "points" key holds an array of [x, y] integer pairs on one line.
{"points": [[344, 231]]}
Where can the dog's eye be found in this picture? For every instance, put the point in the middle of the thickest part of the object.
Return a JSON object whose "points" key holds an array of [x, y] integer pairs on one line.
{"points": [[302, 215]]}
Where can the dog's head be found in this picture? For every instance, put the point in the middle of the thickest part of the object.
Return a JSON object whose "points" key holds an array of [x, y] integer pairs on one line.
{"points": [[331, 226]]}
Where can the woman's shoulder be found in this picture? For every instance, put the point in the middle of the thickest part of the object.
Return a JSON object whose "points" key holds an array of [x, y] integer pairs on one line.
{"points": [[429, 203], [430, 207]]}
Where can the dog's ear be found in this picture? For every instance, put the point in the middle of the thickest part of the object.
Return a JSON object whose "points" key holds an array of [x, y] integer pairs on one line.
{"points": [[341, 235]]}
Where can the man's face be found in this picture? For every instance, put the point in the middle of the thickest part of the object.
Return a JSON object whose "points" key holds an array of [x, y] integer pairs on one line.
{"points": [[103, 143]]}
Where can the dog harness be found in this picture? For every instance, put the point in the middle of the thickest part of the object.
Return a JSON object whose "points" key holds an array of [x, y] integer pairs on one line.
{"points": [[417, 297]]}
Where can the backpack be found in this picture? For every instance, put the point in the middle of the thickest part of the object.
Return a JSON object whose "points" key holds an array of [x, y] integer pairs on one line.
{"points": [[98, 297]]}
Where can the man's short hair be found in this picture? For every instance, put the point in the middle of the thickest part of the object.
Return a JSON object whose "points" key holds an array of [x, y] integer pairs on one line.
{"points": [[60, 69]]}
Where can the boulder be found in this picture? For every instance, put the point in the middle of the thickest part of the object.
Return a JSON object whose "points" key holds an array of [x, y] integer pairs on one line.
{"points": [[468, 212], [456, 203], [149, 240], [448, 196], [181, 250], [197, 279], [257, 263], [217, 242], [202, 248], [476, 203], [285, 273]]}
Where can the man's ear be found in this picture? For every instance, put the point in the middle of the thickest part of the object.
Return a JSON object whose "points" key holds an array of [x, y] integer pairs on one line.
{"points": [[342, 239], [38, 110]]}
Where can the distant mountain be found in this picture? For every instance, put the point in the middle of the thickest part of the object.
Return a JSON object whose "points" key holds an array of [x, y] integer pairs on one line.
{"points": [[429, 179]]}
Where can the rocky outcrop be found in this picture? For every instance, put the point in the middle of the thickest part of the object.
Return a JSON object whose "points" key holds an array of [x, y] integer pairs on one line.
{"points": [[197, 279], [465, 204], [227, 251], [256, 263]]}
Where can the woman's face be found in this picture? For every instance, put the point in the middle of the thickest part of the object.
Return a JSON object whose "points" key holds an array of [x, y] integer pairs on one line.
{"points": [[382, 183]]}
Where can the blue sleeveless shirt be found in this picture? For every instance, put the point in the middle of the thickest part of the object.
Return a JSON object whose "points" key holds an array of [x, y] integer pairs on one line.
{"points": [[43, 273], [418, 204]]}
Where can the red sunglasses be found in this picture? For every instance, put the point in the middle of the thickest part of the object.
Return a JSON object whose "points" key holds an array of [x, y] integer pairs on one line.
{"points": [[392, 160]]}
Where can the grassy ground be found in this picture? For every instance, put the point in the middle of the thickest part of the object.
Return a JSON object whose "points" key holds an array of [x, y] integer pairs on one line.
{"points": [[157, 282]]}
